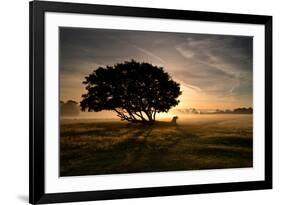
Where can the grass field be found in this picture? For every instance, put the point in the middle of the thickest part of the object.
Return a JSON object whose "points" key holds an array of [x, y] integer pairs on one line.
{"points": [[89, 147]]}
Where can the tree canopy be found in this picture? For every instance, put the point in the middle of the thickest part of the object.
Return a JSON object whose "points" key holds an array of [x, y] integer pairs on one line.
{"points": [[136, 91]]}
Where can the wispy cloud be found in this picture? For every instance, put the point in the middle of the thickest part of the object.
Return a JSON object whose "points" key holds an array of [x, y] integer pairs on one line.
{"points": [[219, 59], [193, 87], [150, 54], [215, 68]]}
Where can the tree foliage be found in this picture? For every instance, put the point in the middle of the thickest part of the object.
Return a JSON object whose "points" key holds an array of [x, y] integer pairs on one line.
{"points": [[135, 91]]}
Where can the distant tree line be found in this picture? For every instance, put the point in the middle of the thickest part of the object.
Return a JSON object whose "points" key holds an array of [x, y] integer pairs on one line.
{"points": [[242, 110], [188, 111], [69, 108]]}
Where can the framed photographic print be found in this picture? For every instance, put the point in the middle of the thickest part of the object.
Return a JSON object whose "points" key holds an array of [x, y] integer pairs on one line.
{"points": [[140, 102]]}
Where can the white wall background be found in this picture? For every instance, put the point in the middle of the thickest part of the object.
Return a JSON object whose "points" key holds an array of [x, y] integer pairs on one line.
{"points": [[14, 44]]}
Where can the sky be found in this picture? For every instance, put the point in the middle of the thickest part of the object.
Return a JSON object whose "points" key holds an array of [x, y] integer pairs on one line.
{"points": [[214, 71]]}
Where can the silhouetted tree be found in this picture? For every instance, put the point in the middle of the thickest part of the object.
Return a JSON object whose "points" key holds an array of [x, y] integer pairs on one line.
{"points": [[135, 91], [69, 108]]}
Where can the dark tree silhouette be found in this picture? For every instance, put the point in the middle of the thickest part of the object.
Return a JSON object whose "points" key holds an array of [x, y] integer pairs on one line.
{"points": [[69, 108], [135, 91]]}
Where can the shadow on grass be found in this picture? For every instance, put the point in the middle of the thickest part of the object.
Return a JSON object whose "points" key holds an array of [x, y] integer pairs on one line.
{"points": [[116, 147]]}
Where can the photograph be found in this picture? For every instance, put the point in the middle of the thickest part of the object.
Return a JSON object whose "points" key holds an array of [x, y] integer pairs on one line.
{"points": [[133, 101]]}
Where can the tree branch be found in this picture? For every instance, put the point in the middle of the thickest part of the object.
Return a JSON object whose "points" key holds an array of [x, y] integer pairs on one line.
{"points": [[140, 115], [122, 115]]}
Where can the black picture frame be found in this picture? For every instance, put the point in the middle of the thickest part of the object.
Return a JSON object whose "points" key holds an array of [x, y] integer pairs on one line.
{"points": [[37, 194]]}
